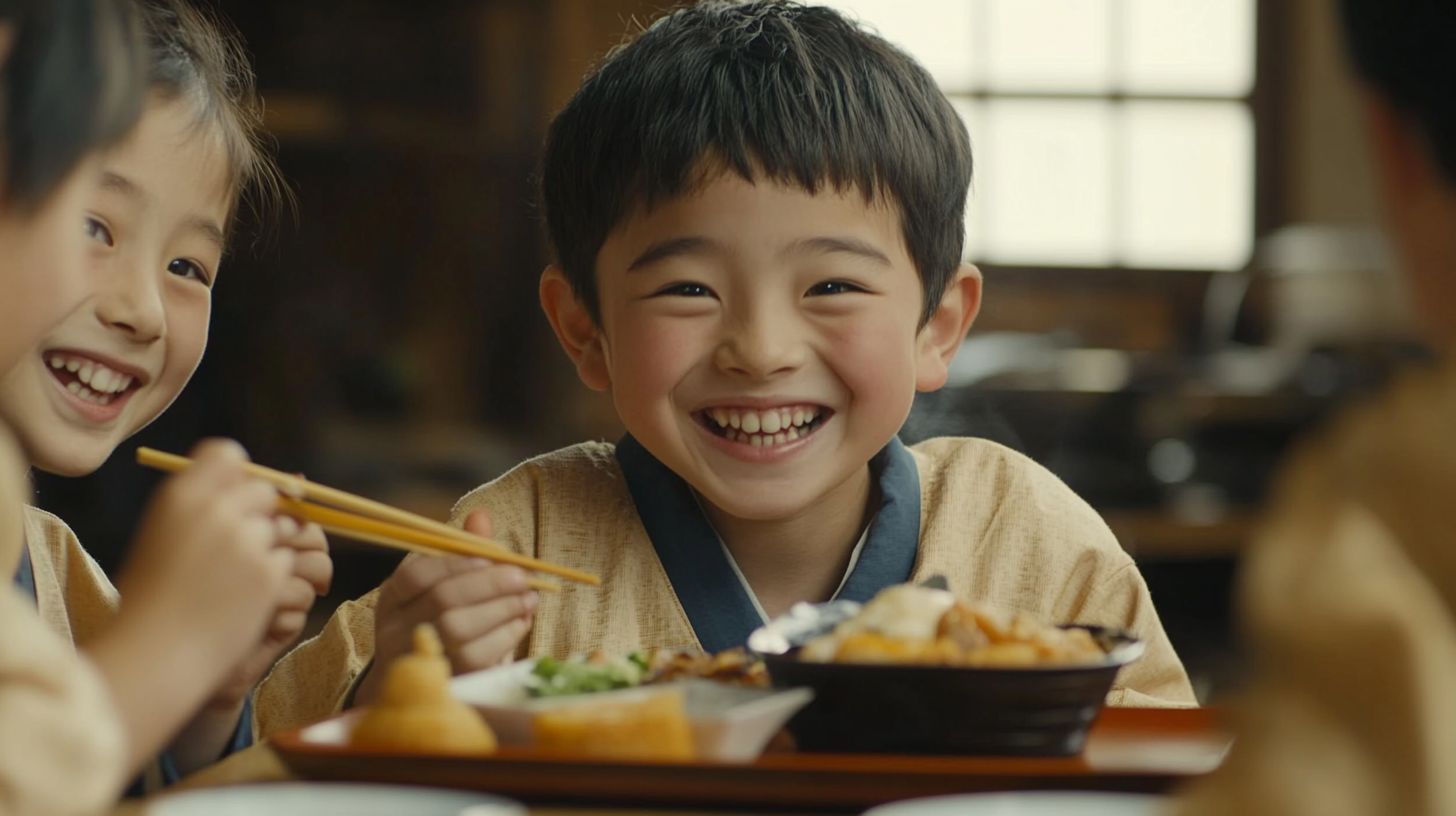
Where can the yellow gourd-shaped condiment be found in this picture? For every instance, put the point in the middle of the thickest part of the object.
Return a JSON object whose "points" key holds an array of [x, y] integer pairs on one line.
{"points": [[415, 713]]}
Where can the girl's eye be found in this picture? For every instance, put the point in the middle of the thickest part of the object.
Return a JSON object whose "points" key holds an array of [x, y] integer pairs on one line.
{"points": [[97, 231], [686, 290], [833, 287], [187, 269]]}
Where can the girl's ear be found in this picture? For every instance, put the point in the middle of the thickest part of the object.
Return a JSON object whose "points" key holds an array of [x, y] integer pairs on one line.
{"points": [[578, 332], [941, 337]]}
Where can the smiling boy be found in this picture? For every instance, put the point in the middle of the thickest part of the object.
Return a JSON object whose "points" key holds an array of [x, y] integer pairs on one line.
{"points": [[757, 211]]}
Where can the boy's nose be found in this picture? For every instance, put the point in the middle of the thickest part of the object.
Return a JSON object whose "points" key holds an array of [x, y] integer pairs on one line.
{"points": [[760, 348], [131, 303]]}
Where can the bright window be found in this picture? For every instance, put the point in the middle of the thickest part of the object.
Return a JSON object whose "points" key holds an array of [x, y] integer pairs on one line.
{"points": [[1107, 133]]}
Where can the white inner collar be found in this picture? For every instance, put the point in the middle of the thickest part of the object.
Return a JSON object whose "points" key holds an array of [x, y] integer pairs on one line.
{"points": [[758, 607]]}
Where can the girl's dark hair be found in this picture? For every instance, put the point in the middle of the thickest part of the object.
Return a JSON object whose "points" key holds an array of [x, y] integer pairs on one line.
{"points": [[1407, 50], [769, 90], [72, 82], [195, 57]]}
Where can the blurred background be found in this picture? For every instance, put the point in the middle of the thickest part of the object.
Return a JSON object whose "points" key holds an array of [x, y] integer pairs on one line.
{"points": [[1172, 210]]}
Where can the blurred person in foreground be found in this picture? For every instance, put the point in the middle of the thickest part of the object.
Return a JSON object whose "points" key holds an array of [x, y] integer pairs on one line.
{"points": [[1348, 596]]}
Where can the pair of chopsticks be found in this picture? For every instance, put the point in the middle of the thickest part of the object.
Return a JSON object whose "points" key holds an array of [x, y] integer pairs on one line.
{"points": [[361, 519]]}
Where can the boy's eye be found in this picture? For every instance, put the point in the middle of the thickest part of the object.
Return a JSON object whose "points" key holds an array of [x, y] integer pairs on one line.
{"points": [[97, 231], [686, 290], [833, 287], [183, 268]]}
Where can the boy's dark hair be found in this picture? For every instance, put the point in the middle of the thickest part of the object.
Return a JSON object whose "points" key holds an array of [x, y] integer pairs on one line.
{"points": [[197, 58], [70, 84], [769, 90], [1406, 49]]}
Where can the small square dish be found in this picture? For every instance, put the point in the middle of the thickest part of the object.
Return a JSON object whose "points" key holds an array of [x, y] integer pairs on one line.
{"points": [[728, 723]]}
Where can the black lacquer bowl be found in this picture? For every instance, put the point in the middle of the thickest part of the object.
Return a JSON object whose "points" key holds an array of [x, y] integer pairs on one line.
{"points": [[951, 710]]}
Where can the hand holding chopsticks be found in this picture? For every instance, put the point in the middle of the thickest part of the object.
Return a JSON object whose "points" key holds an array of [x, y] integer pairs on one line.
{"points": [[365, 520]]}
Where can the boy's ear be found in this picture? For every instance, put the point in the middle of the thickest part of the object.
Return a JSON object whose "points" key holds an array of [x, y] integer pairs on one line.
{"points": [[941, 337], [578, 332]]}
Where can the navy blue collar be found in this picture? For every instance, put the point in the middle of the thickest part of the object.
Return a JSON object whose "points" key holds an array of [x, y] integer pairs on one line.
{"points": [[25, 573], [720, 610]]}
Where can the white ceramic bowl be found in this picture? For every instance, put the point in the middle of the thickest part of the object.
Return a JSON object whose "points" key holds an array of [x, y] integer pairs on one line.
{"points": [[331, 799], [1028, 803]]}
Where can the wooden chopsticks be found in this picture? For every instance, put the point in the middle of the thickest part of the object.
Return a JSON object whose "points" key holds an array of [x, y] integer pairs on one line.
{"points": [[376, 523]]}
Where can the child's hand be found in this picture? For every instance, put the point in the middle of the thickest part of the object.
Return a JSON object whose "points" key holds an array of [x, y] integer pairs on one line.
{"points": [[210, 731], [205, 573], [206, 557], [313, 571], [481, 610]]}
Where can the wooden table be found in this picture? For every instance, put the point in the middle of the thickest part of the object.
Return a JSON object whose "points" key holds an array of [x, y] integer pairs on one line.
{"points": [[1150, 750]]}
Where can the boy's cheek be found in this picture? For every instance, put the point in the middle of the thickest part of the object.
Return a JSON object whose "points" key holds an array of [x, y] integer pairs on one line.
{"points": [[651, 351]]}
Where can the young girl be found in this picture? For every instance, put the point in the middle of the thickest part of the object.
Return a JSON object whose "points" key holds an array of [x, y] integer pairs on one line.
{"points": [[54, 712], [207, 571], [157, 222]]}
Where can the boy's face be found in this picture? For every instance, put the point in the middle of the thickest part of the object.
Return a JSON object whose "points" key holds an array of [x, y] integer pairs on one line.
{"points": [[763, 342], [116, 361]]}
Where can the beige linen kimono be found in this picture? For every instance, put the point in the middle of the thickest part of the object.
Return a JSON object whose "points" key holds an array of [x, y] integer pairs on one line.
{"points": [[1001, 528], [1348, 599], [73, 594], [61, 738]]}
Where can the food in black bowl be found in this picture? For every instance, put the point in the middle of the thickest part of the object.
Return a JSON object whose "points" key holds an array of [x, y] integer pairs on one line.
{"points": [[916, 671]]}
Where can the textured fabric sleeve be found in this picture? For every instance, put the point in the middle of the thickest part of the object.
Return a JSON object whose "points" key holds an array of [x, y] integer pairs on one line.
{"points": [[56, 716], [61, 743], [313, 681], [1346, 598], [513, 503], [74, 593], [1157, 679]]}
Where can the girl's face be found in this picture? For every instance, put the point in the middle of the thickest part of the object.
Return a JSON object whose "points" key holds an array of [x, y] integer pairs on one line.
{"points": [[42, 263], [111, 365]]}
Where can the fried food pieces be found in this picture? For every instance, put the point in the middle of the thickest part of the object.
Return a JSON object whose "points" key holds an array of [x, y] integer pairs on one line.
{"points": [[416, 713], [654, 727], [908, 624], [735, 666]]}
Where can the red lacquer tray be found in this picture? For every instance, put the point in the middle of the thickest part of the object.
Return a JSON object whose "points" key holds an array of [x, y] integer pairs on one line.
{"points": [[1147, 750]]}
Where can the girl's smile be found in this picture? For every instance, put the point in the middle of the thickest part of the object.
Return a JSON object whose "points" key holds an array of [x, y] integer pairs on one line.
{"points": [[96, 388]]}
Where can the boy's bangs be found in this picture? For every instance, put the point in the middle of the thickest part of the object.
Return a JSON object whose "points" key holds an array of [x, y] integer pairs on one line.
{"points": [[645, 192], [770, 91]]}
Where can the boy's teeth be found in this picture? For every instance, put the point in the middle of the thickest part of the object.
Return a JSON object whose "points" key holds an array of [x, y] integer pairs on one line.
{"points": [[72, 365], [57, 363], [763, 429]]}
